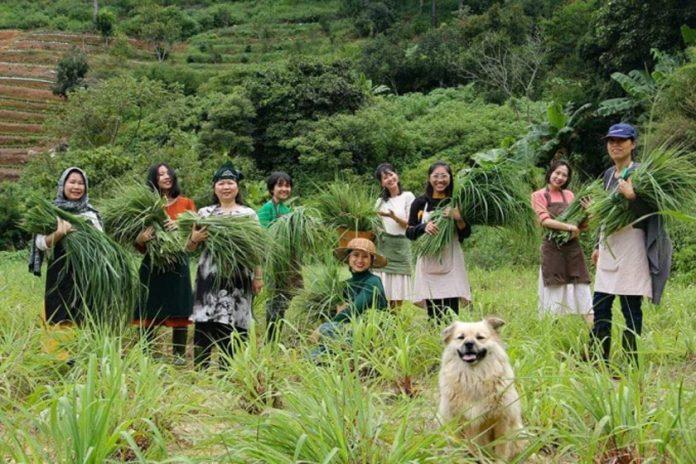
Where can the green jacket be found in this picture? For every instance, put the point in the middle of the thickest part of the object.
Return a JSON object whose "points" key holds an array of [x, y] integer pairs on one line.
{"points": [[364, 290], [269, 212]]}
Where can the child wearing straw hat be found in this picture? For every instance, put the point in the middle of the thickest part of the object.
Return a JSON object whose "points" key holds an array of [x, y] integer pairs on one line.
{"points": [[364, 290]]}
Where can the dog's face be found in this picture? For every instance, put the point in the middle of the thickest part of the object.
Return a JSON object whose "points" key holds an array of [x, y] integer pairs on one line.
{"points": [[473, 341]]}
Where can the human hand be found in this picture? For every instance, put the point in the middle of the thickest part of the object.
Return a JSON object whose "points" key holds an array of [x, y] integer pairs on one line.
{"points": [[585, 202], [626, 189], [342, 307], [63, 228], [431, 228], [256, 285], [170, 225], [595, 256], [145, 236], [455, 214], [574, 231], [198, 235]]}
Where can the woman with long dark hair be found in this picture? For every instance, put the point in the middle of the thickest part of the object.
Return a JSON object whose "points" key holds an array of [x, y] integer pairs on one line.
{"points": [[564, 283], [394, 206], [441, 281], [167, 300]]}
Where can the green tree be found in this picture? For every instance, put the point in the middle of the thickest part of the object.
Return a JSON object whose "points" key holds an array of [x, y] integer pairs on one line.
{"points": [[110, 111], [105, 24], [162, 27], [70, 73], [227, 124]]}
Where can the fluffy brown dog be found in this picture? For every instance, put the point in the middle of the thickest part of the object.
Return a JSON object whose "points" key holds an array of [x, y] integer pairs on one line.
{"points": [[477, 386]]}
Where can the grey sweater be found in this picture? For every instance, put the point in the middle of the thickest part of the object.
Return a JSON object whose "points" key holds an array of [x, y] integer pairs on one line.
{"points": [[658, 245]]}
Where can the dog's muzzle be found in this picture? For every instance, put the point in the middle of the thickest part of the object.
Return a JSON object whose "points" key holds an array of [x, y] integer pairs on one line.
{"points": [[470, 353]]}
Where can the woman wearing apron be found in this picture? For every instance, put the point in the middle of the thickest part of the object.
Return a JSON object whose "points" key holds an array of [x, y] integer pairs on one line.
{"points": [[564, 283], [441, 281], [632, 263], [394, 206]]}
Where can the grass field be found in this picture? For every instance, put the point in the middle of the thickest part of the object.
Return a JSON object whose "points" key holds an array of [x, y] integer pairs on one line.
{"points": [[374, 402]]}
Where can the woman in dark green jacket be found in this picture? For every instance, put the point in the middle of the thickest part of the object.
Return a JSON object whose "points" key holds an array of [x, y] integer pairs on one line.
{"points": [[364, 290]]}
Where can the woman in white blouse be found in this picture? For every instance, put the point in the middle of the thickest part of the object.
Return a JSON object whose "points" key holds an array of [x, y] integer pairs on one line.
{"points": [[393, 206]]}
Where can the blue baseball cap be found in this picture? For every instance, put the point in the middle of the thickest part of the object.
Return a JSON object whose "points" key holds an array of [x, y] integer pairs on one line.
{"points": [[622, 131]]}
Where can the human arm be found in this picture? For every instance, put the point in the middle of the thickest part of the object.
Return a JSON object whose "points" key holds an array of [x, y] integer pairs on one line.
{"points": [[63, 228], [415, 227], [257, 282]]}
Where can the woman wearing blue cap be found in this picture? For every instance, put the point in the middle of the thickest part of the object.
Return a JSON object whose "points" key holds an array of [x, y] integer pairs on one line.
{"points": [[634, 262]]}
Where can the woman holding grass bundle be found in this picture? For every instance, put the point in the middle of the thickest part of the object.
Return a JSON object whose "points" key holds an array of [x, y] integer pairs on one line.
{"points": [[394, 205], [62, 302], [440, 280], [564, 283], [168, 298], [222, 302], [279, 186], [634, 261]]}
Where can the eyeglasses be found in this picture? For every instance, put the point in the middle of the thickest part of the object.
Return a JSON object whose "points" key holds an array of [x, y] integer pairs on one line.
{"points": [[439, 176]]}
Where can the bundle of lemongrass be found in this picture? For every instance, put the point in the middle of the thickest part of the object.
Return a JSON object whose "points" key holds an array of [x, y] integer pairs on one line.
{"points": [[490, 194], [665, 180], [103, 277], [432, 245], [234, 242], [132, 209], [347, 205], [324, 283], [295, 237], [575, 214]]}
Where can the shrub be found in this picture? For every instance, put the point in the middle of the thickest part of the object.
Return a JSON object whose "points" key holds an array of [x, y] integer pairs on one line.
{"points": [[70, 73], [11, 236]]}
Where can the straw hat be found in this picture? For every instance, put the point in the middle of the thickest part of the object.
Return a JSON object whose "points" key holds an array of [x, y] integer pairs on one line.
{"points": [[365, 245]]}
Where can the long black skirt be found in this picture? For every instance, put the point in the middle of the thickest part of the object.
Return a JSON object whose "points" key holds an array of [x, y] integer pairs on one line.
{"points": [[166, 294]]}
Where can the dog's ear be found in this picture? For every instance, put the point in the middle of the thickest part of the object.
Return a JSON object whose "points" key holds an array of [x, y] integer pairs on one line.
{"points": [[495, 322], [446, 333]]}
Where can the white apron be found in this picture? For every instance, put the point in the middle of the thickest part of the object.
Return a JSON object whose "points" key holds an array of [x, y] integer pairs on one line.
{"points": [[442, 276], [622, 268]]}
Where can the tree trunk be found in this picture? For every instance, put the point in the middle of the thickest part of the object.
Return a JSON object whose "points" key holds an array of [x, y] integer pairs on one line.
{"points": [[433, 17], [96, 11]]}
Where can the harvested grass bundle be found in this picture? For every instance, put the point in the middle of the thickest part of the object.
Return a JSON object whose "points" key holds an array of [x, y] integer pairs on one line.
{"points": [[295, 236], [432, 245], [103, 277], [489, 194], [665, 180], [324, 284], [493, 195], [234, 242], [132, 209], [575, 214], [347, 205]]}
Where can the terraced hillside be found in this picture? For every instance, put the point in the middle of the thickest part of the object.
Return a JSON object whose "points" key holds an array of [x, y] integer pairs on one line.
{"points": [[27, 71]]}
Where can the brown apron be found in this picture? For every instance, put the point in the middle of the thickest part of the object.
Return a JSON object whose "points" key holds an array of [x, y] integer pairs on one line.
{"points": [[565, 264]]}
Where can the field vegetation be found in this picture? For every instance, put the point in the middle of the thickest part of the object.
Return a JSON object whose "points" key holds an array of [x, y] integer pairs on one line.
{"points": [[327, 90]]}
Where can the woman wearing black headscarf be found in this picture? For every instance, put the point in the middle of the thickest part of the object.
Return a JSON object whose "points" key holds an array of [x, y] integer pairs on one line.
{"points": [[61, 302]]}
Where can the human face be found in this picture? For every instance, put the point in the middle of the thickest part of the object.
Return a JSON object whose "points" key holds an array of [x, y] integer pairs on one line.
{"points": [[164, 180], [559, 177], [620, 149], [226, 190], [390, 180], [74, 187], [359, 260], [281, 191], [439, 179]]}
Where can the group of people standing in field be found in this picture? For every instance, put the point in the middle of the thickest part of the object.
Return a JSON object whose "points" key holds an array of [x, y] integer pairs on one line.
{"points": [[381, 275]]}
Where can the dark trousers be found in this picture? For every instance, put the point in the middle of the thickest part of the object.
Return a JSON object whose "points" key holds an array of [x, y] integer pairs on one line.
{"points": [[179, 336], [275, 314], [601, 330], [442, 308], [209, 334]]}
